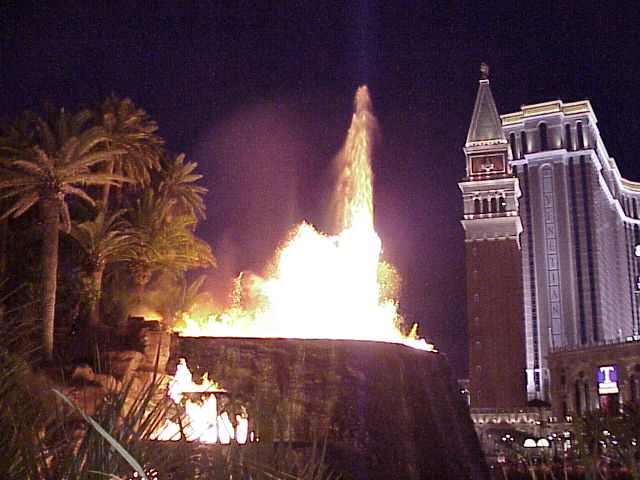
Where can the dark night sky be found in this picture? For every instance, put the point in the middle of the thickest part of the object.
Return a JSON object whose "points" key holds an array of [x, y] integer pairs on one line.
{"points": [[261, 98]]}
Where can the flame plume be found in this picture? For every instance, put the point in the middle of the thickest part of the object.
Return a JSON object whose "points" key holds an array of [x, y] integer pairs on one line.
{"points": [[322, 286], [353, 195]]}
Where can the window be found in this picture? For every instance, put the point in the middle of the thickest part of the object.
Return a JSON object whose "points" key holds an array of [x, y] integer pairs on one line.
{"points": [[580, 133], [577, 397], [485, 205], [512, 143], [544, 142], [523, 142], [568, 142], [587, 397], [476, 205], [633, 388], [494, 207], [502, 204]]}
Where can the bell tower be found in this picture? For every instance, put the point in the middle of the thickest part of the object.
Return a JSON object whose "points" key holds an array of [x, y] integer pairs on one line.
{"points": [[495, 309]]}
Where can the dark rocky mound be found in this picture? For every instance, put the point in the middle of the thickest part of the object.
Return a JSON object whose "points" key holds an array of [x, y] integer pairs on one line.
{"points": [[384, 410]]}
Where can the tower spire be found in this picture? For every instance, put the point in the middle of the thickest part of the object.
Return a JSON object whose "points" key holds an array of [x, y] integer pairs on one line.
{"points": [[485, 128], [484, 71]]}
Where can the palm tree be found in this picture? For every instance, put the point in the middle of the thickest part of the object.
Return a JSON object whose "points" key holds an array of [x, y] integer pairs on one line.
{"points": [[131, 129], [176, 184], [104, 241], [161, 242], [43, 161], [172, 297]]}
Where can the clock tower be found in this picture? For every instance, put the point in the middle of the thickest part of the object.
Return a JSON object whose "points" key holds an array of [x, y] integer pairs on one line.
{"points": [[495, 310]]}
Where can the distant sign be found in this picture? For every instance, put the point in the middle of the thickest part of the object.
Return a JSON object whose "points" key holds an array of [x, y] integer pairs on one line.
{"points": [[607, 378]]}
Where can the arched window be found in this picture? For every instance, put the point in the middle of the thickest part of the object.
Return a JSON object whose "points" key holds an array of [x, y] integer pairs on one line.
{"points": [[580, 134], [634, 385], [485, 205], [502, 204], [587, 398], [568, 141], [494, 207], [523, 142], [544, 142], [633, 388], [635, 208], [512, 142], [476, 205], [577, 397]]}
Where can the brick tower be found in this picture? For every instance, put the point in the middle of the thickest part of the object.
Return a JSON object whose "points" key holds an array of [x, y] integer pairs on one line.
{"points": [[495, 311]]}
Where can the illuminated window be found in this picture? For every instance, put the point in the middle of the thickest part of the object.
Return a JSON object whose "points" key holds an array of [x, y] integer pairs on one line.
{"points": [[502, 204], [544, 142]]}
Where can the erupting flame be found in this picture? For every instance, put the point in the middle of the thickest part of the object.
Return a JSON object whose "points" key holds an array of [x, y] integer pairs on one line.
{"points": [[322, 286], [201, 421]]}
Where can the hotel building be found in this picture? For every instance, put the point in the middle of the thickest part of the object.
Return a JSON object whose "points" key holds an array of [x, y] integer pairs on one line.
{"points": [[550, 230]]}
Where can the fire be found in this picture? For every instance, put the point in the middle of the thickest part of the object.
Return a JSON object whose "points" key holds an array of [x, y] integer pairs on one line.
{"points": [[322, 286], [201, 421]]}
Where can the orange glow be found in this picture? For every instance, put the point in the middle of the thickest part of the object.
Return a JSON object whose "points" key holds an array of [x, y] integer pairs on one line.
{"points": [[322, 286], [149, 315]]}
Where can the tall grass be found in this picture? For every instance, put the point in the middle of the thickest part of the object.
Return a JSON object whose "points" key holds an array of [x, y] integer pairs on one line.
{"points": [[46, 437]]}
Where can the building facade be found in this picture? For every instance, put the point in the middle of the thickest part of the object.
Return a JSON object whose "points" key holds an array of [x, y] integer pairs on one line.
{"points": [[603, 376], [560, 209]]}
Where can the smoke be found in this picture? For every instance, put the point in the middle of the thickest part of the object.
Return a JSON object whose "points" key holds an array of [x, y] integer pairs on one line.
{"points": [[251, 162]]}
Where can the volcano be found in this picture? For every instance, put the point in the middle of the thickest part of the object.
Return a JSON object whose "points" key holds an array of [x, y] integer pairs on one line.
{"points": [[384, 410]]}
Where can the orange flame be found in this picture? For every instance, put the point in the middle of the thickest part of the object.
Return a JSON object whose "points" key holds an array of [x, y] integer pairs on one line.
{"points": [[201, 422], [322, 286]]}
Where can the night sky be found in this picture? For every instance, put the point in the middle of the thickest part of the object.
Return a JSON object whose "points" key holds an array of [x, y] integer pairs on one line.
{"points": [[261, 97]]}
